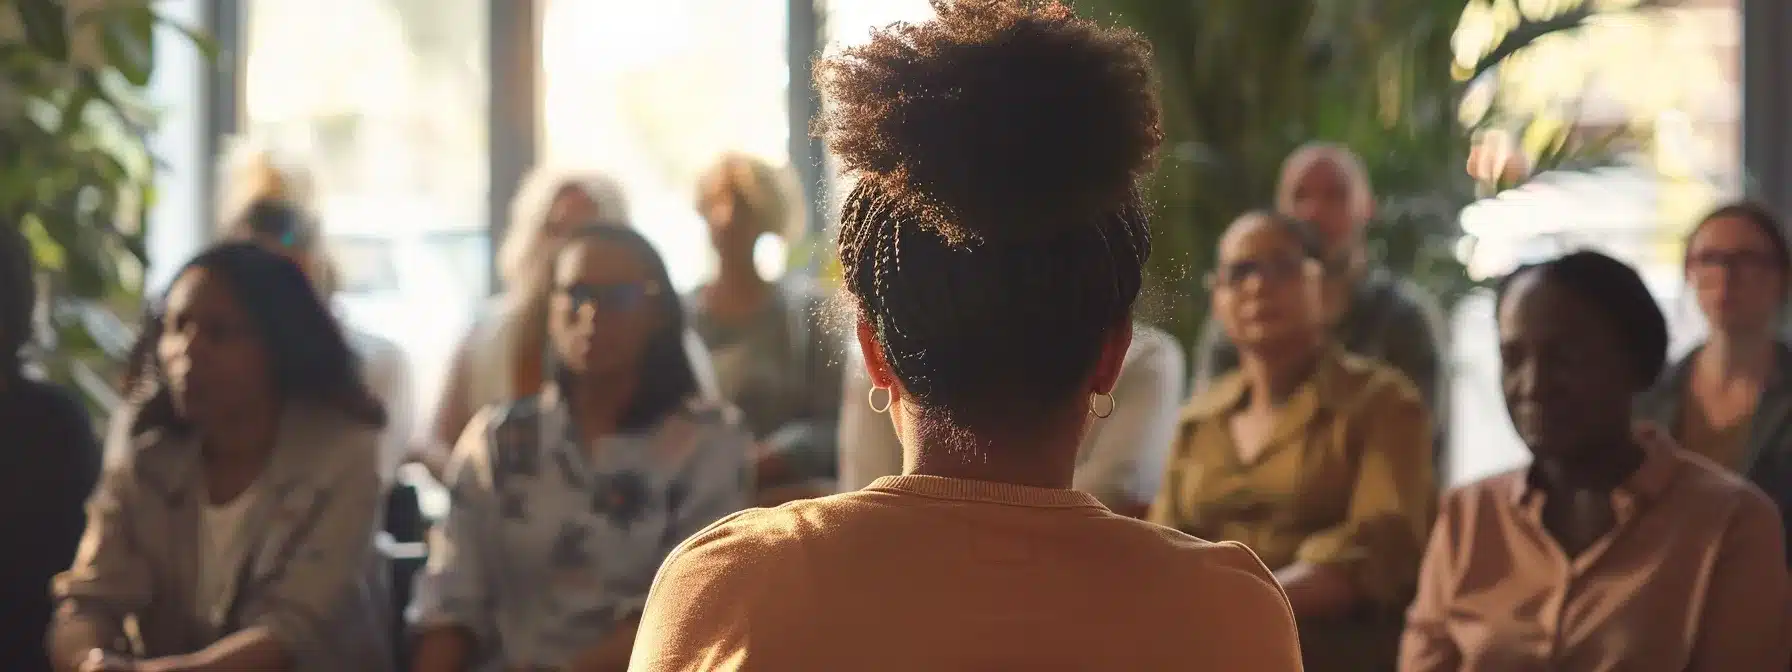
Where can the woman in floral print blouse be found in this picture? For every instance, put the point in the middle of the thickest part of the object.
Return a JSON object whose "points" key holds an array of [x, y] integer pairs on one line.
{"points": [[564, 503]]}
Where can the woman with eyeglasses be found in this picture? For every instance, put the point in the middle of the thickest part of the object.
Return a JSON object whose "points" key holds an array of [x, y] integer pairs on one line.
{"points": [[234, 528], [565, 502], [1730, 400], [1614, 549], [1318, 460], [505, 353]]}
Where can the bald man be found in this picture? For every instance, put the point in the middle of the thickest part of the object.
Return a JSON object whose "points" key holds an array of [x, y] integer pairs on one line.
{"points": [[1377, 314]]}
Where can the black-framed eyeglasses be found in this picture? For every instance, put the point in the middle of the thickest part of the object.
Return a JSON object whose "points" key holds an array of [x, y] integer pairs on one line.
{"points": [[612, 297], [1273, 270]]}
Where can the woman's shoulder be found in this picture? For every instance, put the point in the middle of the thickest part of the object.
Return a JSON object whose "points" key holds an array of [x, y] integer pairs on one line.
{"points": [[712, 418], [1220, 396], [1702, 479], [1376, 385], [1221, 572]]}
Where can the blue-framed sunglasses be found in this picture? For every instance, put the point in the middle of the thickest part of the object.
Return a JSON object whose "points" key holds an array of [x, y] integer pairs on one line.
{"points": [[613, 297]]}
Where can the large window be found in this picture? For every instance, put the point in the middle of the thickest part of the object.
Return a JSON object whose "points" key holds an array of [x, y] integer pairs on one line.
{"points": [[652, 92], [384, 101]]}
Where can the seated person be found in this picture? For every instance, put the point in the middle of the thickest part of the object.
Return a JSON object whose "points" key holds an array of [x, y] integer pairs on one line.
{"points": [[774, 358], [1317, 459], [235, 529], [1613, 550], [1120, 461], [992, 246], [1730, 399], [565, 503]]}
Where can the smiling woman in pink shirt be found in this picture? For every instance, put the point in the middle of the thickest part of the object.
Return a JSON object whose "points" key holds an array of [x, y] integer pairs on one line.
{"points": [[992, 248]]}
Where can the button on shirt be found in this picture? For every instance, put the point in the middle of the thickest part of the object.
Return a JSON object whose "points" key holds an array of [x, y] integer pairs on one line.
{"points": [[1691, 578], [548, 545]]}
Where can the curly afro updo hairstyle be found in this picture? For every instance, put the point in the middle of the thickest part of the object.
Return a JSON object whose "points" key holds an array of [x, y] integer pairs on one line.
{"points": [[996, 233]]}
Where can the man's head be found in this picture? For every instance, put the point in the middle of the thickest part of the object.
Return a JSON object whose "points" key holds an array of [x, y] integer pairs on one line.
{"points": [[1326, 184]]}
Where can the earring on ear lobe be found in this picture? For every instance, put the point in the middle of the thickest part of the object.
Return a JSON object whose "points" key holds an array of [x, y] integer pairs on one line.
{"points": [[1095, 408], [871, 397]]}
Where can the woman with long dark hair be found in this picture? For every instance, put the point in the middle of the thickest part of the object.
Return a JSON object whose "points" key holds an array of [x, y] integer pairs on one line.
{"points": [[993, 247], [566, 501], [268, 203], [235, 529], [48, 464]]}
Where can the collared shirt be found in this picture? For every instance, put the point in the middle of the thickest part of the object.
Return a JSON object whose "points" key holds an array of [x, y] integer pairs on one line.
{"points": [[1390, 320], [1345, 480], [549, 544], [1691, 578]]}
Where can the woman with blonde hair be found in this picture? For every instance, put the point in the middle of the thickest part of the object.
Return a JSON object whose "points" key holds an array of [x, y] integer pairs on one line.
{"points": [[774, 359], [503, 356]]}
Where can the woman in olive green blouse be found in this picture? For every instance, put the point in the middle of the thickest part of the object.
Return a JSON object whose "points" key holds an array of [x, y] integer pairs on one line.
{"points": [[1318, 460]]}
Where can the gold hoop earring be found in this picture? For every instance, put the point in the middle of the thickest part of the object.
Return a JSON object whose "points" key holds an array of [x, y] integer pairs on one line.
{"points": [[1093, 406], [871, 398]]}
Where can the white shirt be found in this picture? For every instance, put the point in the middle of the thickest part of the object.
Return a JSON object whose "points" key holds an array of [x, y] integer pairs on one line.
{"points": [[222, 546], [1122, 457]]}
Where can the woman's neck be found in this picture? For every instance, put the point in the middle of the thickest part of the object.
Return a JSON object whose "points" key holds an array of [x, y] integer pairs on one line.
{"points": [[1275, 374], [736, 273], [1729, 356], [1043, 456], [1598, 467], [598, 402], [242, 442]]}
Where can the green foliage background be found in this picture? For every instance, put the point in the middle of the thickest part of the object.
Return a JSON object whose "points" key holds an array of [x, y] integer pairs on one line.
{"points": [[1245, 82], [78, 176]]}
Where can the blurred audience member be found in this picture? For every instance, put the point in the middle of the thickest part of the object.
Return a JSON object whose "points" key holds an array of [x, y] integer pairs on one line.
{"points": [[268, 204], [504, 355], [1318, 460], [565, 502], [774, 358], [1120, 461], [1378, 315], [235, 531], [1731, 399], [1613, 550], [49, 462], [993, 247]]}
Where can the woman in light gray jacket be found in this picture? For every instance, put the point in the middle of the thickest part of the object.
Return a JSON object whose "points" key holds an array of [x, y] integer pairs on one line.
{"points": [[235, 529]]}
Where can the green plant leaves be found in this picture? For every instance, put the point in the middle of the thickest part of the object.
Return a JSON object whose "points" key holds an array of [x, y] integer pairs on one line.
{"points": [[127, 32], [79, 177], [46, 26], [1244, 82]]}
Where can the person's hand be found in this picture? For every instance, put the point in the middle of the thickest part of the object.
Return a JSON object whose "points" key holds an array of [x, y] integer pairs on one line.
{"points": [[99, 660]]}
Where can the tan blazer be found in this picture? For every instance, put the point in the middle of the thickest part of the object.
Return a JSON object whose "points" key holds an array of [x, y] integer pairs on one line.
{"points": [[310, 574]]}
